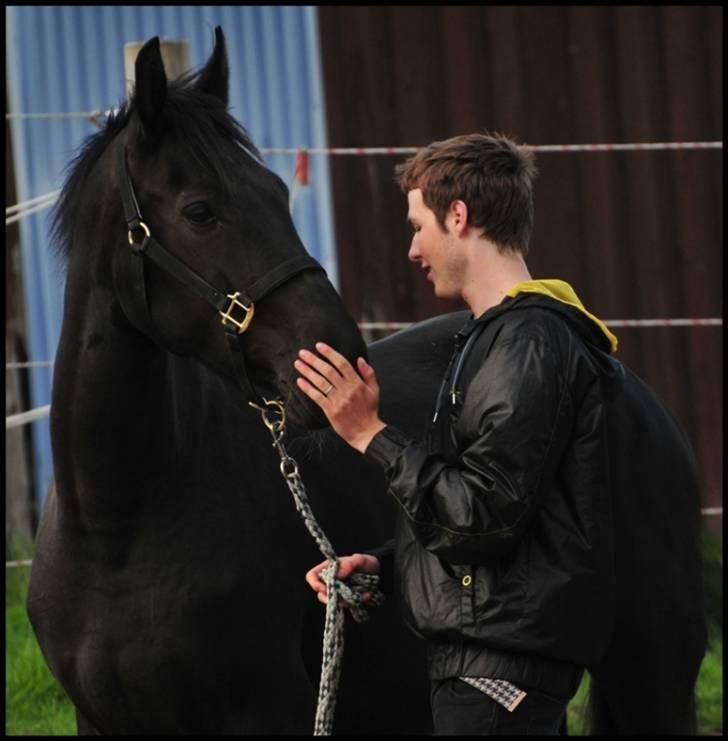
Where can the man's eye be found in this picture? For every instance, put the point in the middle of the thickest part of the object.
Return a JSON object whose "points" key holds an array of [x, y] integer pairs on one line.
{"points": [[198, 213]]}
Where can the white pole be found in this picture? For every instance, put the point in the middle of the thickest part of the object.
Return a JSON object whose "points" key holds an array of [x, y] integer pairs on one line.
{"points": [[16, 420]]}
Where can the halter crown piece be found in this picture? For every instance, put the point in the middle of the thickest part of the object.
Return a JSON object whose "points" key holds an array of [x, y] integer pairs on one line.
{"points": [[236, 308]]}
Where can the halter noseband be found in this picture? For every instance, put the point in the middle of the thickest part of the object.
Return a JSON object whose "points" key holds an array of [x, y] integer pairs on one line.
{"points": [[226, 304]]}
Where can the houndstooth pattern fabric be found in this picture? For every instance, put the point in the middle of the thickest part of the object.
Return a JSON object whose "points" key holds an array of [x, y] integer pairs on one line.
{"points": [[500, 690]]}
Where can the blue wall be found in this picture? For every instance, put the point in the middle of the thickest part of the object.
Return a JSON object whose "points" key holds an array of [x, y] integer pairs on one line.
{"points": [[71, 59]]}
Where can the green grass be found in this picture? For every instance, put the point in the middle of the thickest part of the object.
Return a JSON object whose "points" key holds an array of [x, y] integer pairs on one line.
{"points": [[709, 695], [576, 711], [710, 679], [36, 705], [709, 689]]}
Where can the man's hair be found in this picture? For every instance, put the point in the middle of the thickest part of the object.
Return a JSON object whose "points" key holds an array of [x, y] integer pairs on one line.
{"points": [[491, 174]]}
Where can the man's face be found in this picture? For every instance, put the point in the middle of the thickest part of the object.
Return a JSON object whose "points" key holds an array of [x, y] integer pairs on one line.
{"points": [[438, 252]]}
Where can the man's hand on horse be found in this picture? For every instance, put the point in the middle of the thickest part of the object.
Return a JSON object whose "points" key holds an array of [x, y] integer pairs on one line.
{"points": [[349, 398]]}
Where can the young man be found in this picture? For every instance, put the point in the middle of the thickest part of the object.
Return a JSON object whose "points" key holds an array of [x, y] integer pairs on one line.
{"points": [[503, 550]]}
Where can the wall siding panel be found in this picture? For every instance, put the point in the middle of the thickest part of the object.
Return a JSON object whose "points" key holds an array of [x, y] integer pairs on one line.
{"points": [[638, 234]]}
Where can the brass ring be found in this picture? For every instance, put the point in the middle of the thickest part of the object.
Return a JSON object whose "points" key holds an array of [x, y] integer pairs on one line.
{"points": [[142, 226]]}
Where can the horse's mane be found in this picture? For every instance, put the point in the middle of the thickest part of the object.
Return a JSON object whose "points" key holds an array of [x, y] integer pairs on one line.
{"points": [[202, 124]]}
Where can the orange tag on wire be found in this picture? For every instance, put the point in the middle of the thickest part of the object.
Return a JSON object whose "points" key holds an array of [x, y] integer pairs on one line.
{"points": [[301, 172]]}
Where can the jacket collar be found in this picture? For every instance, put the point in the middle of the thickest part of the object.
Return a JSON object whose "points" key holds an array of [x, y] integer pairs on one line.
{"points": [[590, 329]]}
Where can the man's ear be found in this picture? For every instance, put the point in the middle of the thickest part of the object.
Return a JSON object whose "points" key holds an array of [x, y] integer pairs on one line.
{"points": [[458, 216]]}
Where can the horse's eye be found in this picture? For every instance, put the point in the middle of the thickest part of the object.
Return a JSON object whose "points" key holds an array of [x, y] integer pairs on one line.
{"points": [[198, 213]]}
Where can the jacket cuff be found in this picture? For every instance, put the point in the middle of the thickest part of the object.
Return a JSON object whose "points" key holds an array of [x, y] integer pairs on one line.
{"points": [[385, 556], [386, 445]]}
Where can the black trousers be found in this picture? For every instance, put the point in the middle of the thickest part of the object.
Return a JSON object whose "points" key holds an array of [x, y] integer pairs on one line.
{"points": [[460, 709]]}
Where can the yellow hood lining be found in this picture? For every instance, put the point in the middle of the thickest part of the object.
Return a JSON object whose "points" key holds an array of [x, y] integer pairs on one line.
{"points": [[562, 291]]}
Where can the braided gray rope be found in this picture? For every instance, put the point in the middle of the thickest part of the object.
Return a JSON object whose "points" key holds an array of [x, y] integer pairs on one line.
{"points": [[348, 593]]}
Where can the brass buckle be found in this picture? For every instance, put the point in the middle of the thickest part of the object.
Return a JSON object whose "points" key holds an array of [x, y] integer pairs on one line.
{"points": [[249, 311]]}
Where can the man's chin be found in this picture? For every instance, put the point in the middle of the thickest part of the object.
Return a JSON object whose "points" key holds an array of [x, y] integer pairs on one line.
{"points": [[444, 293]]}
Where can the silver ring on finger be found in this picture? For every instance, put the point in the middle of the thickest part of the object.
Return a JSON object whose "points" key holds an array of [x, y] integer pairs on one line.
{"points": [[328, 390]]}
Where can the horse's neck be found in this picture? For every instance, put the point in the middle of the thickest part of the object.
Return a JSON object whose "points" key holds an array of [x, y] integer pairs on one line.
{"points": [[113, 404]]}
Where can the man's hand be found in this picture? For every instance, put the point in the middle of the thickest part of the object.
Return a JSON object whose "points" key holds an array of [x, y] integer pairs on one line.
{"points": [[350, 400], [348, 565]]}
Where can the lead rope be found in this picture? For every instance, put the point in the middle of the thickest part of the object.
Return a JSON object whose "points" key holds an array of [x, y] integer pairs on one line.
{"points": [[337, 590]]}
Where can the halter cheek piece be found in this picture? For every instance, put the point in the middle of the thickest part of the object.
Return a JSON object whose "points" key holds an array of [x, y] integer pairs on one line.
{"points": [[236, 308]]}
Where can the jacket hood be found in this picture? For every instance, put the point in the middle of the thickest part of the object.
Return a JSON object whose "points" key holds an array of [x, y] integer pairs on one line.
{"points": [[565, 294]]}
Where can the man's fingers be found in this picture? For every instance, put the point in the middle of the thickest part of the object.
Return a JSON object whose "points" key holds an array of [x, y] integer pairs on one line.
{"points": [[325, 368], [367, 373], [313, 576], [342, 365], [347, 566], [319, 381], [315, 583], [313, 393]]}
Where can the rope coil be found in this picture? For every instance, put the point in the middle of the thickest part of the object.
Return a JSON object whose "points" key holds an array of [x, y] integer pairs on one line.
{"points": [[349, 593]]}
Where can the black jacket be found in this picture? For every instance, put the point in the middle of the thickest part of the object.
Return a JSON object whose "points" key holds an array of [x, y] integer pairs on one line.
{"points": [[503, 553]]}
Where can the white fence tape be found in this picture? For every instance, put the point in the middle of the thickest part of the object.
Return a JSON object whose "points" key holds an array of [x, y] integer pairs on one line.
{"points": [[16, 420]]}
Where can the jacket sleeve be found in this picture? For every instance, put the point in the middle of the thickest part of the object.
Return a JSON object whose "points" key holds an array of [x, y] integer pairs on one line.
{"points": [[385, 555], [515, 420]]}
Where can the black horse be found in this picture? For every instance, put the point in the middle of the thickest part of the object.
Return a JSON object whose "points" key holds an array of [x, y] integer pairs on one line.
{"points": [[167, 588], [167, 591]]}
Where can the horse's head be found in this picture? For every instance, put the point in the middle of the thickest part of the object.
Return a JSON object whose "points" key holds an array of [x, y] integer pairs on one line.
{"points": [[181, 165]]}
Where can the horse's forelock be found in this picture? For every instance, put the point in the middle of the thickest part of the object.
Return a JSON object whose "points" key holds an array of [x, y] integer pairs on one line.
{"points": [[204, 131]]}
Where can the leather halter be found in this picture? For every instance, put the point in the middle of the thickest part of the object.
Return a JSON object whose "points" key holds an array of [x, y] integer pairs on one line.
{"points": [[226, 304]]}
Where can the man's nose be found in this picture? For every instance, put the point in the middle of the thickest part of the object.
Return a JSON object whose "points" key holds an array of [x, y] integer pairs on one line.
{"points": [[414, 252]]}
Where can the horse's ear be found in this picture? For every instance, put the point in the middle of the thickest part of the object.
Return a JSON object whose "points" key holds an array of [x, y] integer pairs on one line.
{"points": [[151, 87], [215, 77]]}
